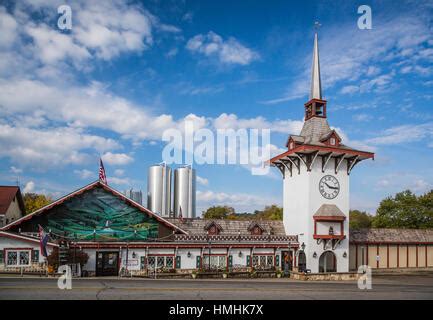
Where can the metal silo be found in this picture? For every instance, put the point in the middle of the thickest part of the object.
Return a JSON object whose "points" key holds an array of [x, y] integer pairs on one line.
{"points": [[184, 192], [159, 189]]}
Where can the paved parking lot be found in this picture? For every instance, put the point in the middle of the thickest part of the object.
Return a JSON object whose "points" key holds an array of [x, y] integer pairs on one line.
{"points": [[384, 287]]}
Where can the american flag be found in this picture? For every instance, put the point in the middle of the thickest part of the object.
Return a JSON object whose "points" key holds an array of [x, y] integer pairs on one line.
{"points": [[102, 176], [180, 215], [43, 237]]}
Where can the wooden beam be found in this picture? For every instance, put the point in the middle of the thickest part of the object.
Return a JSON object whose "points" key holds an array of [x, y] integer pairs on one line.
{"points": [[338, 162], [325, 160], [310, 159], [351, 162], [302, 159], [285, 162]]}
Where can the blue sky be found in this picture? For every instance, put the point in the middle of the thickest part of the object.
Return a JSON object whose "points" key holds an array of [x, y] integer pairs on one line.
{"points": [[129, 70]]}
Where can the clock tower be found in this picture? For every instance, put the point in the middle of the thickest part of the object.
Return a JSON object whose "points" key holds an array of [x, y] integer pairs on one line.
{"points": [[316, 169]]}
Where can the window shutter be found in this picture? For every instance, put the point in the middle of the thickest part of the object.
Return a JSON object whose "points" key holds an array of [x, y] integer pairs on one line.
{"points": [[177, 262], [2, 258], [35, 256], [277, 260], [198, 262], [248, 261], [142, 262], [230, 261]]}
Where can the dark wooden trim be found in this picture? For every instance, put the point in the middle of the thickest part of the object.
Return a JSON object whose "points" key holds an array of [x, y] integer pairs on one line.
{"points": [[416, 264], [387, 256], [426, 256], [367, 255], [356, 256], [398, 256], [377, 255], [407, 256]]}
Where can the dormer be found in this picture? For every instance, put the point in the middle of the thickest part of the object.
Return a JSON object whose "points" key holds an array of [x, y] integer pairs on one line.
{"points": [[294, 141], [212, 228], [256, 229], [331, 139]]}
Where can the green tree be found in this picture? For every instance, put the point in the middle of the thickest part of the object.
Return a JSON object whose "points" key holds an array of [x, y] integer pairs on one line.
{"points": [[272, 212], [405, 210], [218, 212], [33, 201], [360, 219]]}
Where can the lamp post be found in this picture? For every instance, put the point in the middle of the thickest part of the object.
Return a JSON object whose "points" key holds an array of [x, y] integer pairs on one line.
{"points": [[209, 254]]}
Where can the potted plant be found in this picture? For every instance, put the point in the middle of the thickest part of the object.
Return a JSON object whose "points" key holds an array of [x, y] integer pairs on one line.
{"points": [[225, 275], [279, 273], [194, 274], [253, 273]]}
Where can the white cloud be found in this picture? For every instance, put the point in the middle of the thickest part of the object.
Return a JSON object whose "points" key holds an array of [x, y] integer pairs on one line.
{"points": [[52, 146], [8, 27], [29, 187], [16, 170], [404, 133], [349, 89], [240, 201], [117, 158], [85, 174], [353, 58], [231, 121], [362, 117], [400, 181], [119, 181], [229, 51], [119, 172], [202, 181]]}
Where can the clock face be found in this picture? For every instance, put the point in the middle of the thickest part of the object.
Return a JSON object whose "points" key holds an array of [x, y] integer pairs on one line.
{"points": [[329, 187]]}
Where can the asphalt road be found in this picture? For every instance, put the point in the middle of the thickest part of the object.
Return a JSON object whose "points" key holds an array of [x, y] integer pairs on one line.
{"points": [[384, 287]]}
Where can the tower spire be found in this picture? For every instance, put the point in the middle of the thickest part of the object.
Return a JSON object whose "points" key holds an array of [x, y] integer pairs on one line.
{"points": [[316, 85]]}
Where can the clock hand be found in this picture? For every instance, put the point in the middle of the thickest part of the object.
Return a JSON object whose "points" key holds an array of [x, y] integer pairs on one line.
{"points": [[335, 188]]}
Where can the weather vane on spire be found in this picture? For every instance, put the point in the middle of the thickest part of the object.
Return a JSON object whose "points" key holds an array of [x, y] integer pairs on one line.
{"points": [[317, 25]]}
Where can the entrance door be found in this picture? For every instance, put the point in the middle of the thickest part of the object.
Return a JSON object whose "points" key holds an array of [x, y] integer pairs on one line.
{"points": [[327, 262], [287, 258], [107, 263], [302, 261]]}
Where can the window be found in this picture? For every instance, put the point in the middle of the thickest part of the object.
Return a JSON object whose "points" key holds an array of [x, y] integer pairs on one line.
{"points": [[291, 145], [215, 262], [151, 262], [161, 262], [18, 257], [2, 258], [332, 141], [12, 258], [263, 261], [24, 258]]}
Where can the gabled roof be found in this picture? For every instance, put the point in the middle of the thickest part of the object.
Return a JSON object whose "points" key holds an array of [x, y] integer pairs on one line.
{"points": [[254, 224], [91, 186], [329, 210], [230, 227], [7, 194], [379, 235], [212, 223], [25, 238], [326, 136]]}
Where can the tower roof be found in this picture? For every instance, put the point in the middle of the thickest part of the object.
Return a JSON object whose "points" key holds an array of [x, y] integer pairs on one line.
{"points": [[316, 85]]}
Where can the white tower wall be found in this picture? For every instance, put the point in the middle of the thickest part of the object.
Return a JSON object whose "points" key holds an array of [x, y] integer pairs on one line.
{"points": [[302, 199]]}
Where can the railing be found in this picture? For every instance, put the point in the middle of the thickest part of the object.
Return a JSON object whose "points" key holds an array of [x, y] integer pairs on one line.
{"points": [[250, 238]]}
